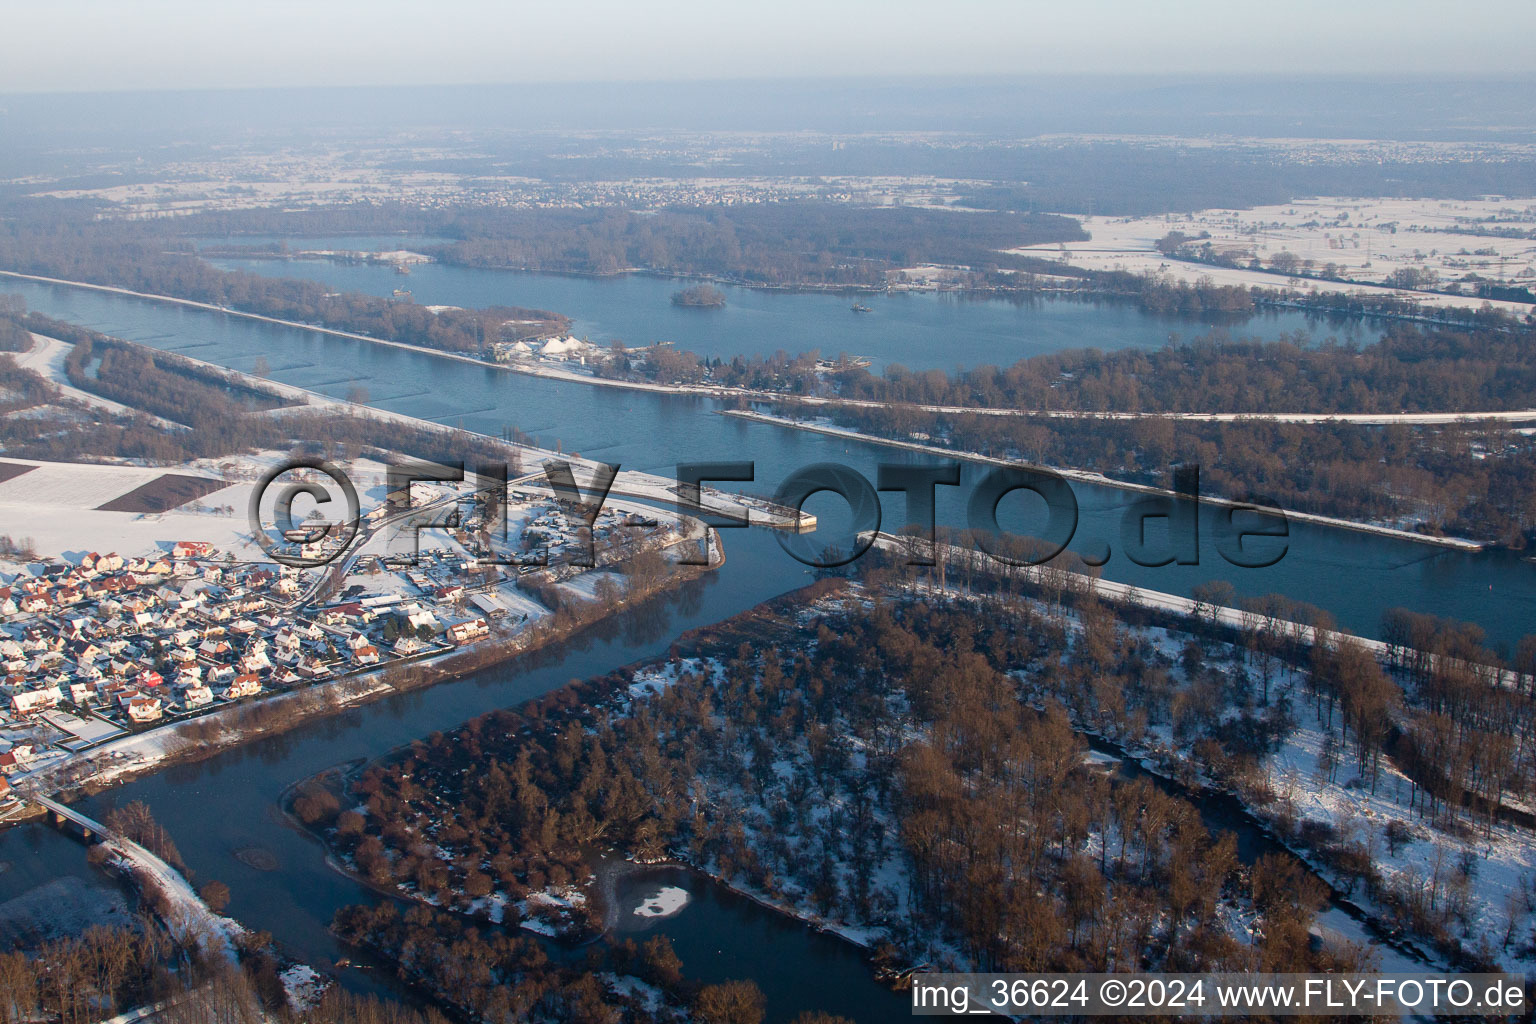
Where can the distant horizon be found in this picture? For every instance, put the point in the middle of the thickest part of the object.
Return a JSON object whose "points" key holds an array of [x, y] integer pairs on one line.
{"points": [[1427, 108], [105, 46], [978, 80]]}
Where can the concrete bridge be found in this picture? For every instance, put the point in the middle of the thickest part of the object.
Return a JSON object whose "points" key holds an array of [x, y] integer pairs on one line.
{"points": [[64, 817]]}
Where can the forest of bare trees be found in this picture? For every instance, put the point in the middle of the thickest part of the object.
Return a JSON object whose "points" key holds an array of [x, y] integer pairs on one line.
{"points": [[105, 971], [1472, 479], [910, 753]]}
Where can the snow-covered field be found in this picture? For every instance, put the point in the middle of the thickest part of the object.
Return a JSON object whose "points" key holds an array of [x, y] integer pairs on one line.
{"points": [[55, 505], [585, 585], [72, 485], [1367, 238]]}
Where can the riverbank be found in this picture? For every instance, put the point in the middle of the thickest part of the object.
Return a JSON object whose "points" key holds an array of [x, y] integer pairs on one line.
{"points": [[1131, 596], [1097, 479]]}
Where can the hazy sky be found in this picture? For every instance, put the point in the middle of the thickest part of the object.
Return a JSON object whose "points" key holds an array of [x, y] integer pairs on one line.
{"points": [[88, 45]]}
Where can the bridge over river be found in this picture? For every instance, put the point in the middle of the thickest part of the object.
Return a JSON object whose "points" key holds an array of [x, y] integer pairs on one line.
{"points": [[187, 915]]}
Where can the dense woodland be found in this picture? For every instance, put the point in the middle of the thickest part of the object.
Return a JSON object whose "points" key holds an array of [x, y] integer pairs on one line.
{"points": [[1450, 715], [119, 256], [1410, 369], [806, 243], [1484, 365], [885, 771], [116, 967], [20, 389], [13, 336], [216, 407], [699, 296]]}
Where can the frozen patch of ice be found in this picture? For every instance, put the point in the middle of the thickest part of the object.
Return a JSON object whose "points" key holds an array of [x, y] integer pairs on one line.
{"points": [[663, 903]]}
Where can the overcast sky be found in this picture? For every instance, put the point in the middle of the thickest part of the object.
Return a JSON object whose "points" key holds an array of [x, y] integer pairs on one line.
{"points": [[90, 45]]}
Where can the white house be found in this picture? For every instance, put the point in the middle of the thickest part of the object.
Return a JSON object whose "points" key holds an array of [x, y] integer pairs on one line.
{"points": [[145, 709], [464, 632], [32, 701], [246, 685]]}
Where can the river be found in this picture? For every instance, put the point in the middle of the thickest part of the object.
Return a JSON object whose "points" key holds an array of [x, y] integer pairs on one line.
{"points": [[227, 803], [1356, 576]]}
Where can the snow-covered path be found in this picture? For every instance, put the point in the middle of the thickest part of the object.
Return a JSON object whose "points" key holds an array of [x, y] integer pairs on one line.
{"points": [[189, 916]]}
